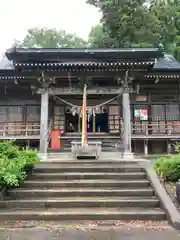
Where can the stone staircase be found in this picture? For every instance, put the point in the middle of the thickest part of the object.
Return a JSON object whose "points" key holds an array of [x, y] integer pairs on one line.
{"points": [[83, 190]]}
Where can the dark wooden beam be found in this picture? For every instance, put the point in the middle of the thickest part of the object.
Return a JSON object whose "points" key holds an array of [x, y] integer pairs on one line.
{"points": [[91, 91]]}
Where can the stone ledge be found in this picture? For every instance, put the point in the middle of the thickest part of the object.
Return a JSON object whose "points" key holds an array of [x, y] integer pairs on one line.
{"points": [[93, 149], [167, 204], [178, 191], [42, 156], [128, 156]]}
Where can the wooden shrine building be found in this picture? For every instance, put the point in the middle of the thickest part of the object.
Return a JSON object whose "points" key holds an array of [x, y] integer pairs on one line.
{"points": [[133, 96]]}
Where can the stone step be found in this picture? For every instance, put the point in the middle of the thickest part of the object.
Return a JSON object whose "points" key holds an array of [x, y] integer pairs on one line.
{"points": [[105, 148], [56, 161], [86, 183], [79, 192], [75, 202], [83, 214], [92, 175], [85, 168]]}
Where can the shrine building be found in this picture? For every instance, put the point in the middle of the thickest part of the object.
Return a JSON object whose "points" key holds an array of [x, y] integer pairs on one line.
{"points": [[133, 97]]}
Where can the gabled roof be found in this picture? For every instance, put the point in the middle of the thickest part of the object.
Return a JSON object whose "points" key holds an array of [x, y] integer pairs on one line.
{"points": [[5, 64], [167, 63]]}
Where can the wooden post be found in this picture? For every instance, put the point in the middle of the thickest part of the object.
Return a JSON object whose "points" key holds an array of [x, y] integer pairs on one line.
{"points": [[127, 120], [145, 147], [44, 121], [94, 123], [79, 123], [169, 147], [27, 144]]}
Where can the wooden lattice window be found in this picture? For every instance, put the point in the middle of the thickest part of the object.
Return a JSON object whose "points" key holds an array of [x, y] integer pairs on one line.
{"points": [[158, 112], [172, 112], [3, 113], [14, 113], [33, 113]]}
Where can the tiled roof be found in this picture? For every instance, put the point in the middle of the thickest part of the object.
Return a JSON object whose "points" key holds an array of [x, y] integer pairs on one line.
{"points": [[166, 63], [81, 54]]}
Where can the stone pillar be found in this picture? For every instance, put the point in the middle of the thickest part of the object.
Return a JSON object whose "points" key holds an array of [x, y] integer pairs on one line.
{"points": [[145, 147], [127, 123], [44, 122]]}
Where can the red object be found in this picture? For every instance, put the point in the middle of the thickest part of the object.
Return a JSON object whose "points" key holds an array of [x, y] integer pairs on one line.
{"points": [[55, 139]]}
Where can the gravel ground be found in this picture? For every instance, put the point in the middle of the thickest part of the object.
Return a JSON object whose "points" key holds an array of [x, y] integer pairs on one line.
{"points": [[123, 233], [111, 230]]}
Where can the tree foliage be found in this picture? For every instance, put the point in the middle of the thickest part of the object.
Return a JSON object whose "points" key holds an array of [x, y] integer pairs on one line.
{"points": [[177, 39], [125, 23], [51, 38], [129, 23], [99, 37]]}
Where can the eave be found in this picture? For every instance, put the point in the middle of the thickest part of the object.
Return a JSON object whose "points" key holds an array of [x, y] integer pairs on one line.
{"points": [[163, 76], [22, 54], [84, 64]]}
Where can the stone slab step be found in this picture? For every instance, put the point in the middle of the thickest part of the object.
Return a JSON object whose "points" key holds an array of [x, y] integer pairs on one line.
{"points": [[86, 168], [120, 162], [92, 175], [80, 202], [72, 192], [84, 214], [86, 183]]}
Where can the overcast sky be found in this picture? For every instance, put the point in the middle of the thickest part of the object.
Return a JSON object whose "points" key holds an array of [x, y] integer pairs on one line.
{"points": [[16, 16]]}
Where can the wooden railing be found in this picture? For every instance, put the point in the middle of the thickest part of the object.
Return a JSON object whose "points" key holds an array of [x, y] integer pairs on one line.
{"points": [[18, 129], [31, 130], [156, 128]]}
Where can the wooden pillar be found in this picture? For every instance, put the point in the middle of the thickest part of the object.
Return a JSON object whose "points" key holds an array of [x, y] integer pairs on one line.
{"points": [[28, 144], [169, 147], [94, 123], [44, 121], [79, 123], [150, 127]]}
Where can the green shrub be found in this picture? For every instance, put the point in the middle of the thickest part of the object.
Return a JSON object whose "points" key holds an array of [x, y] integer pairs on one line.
{"points": [[177, 147], [15, 163], [168, 168], [8, 149]]}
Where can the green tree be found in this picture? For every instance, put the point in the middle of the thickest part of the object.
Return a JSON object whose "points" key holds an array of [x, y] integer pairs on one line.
{"points": [[165, 12], [51, 38], [99, 37], [129, 22], [177, 39]]}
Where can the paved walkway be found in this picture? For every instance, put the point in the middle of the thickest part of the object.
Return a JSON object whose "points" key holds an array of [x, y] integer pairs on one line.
{"points": [[92, 232]]}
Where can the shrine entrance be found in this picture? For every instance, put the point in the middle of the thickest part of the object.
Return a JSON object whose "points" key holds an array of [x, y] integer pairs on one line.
{"points": [[71, 121], [96, 122]]}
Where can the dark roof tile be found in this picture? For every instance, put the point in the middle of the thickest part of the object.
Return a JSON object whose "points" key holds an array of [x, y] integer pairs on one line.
{"points": [[168, 62]]}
